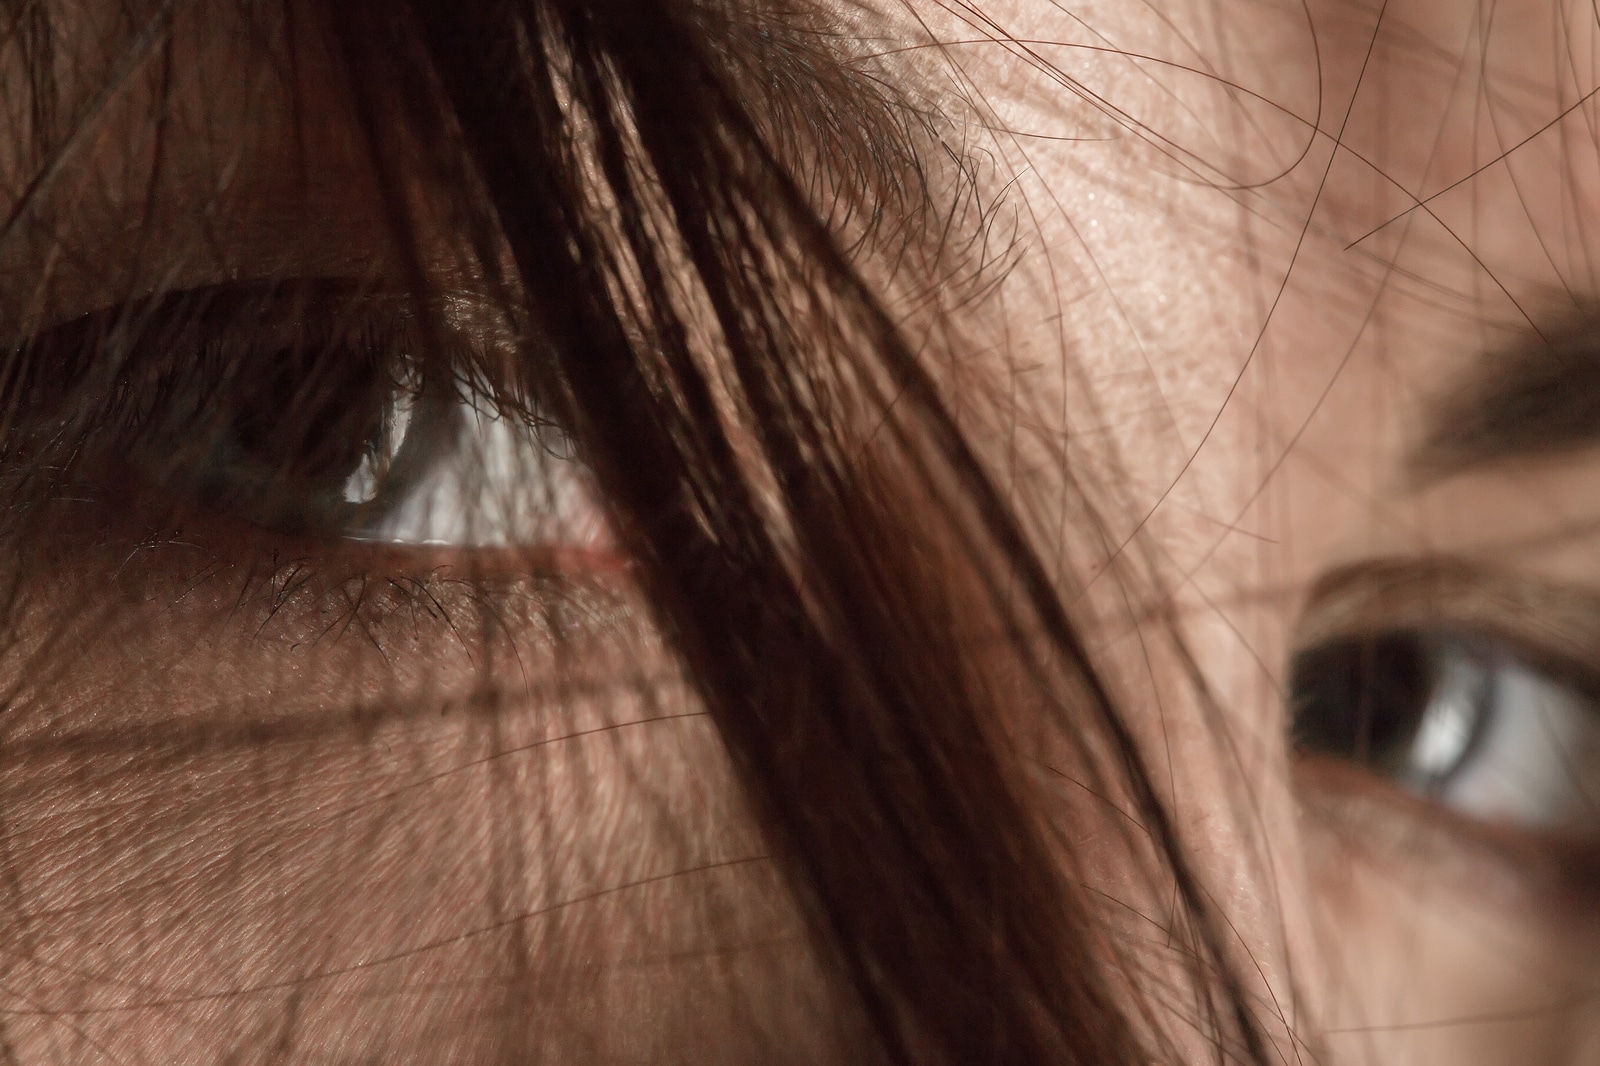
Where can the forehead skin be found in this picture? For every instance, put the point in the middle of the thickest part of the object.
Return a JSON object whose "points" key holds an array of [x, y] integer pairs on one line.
{"points": [[1195, 250]]}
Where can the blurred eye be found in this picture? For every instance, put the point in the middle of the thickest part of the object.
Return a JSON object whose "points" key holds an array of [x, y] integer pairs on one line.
{"points": [[311, 410], [1458, 719]]}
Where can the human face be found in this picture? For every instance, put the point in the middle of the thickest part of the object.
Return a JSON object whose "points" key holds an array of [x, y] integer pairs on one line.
{"points": [[1193, 249]]}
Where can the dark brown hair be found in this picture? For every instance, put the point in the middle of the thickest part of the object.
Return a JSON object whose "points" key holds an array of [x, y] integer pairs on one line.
{"points": [[698, 213]]}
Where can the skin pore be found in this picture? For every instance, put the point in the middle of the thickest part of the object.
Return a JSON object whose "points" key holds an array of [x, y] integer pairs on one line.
{"points": [[1220, 301]]}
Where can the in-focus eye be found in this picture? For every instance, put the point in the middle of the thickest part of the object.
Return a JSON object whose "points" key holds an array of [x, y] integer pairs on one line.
{"points": [[444, 465], [1459, 719], [310, 409]]}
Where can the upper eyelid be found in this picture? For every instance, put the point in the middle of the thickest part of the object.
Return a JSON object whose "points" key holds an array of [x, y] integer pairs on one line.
{"points": [[456, 305], [58, 389], [1553, 627], [471, 329]]}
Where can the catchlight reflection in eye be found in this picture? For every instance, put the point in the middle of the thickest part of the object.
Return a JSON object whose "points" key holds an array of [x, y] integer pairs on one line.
{"points": [[448, 469], [307, 409], [1460, 720]]}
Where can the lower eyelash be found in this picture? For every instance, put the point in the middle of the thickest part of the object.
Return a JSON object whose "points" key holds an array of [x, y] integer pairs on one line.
{"points": [[132, 553], [152, 653], [355, 590]]}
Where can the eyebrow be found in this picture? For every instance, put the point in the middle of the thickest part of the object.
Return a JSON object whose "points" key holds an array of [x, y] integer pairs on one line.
{"points": [[1539, 395]]}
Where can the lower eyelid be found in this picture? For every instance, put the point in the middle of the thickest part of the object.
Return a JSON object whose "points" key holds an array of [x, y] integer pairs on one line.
{"points": [[1349, 812], [215, 577], [287, 639]]}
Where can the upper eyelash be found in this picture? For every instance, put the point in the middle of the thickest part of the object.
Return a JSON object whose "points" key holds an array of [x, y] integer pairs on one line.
{"points": [[97, 389], [74, 377], [469, 339], [1554, 628]]}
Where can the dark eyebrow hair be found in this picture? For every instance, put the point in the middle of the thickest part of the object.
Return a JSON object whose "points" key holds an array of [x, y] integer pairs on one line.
{"points": [[1536, 396]]}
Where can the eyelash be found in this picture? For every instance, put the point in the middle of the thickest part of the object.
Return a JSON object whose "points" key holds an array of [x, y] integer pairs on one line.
{"points": [[308, 409], [1459, 719]]}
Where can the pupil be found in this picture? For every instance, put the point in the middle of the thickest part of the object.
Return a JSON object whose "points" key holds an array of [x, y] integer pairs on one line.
{"points": [[1361, 699], [1408, 705], [306, 433]]}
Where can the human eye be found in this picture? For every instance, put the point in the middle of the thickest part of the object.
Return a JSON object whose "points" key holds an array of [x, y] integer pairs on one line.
{"points": [[318, 410], [1463, 720]]}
